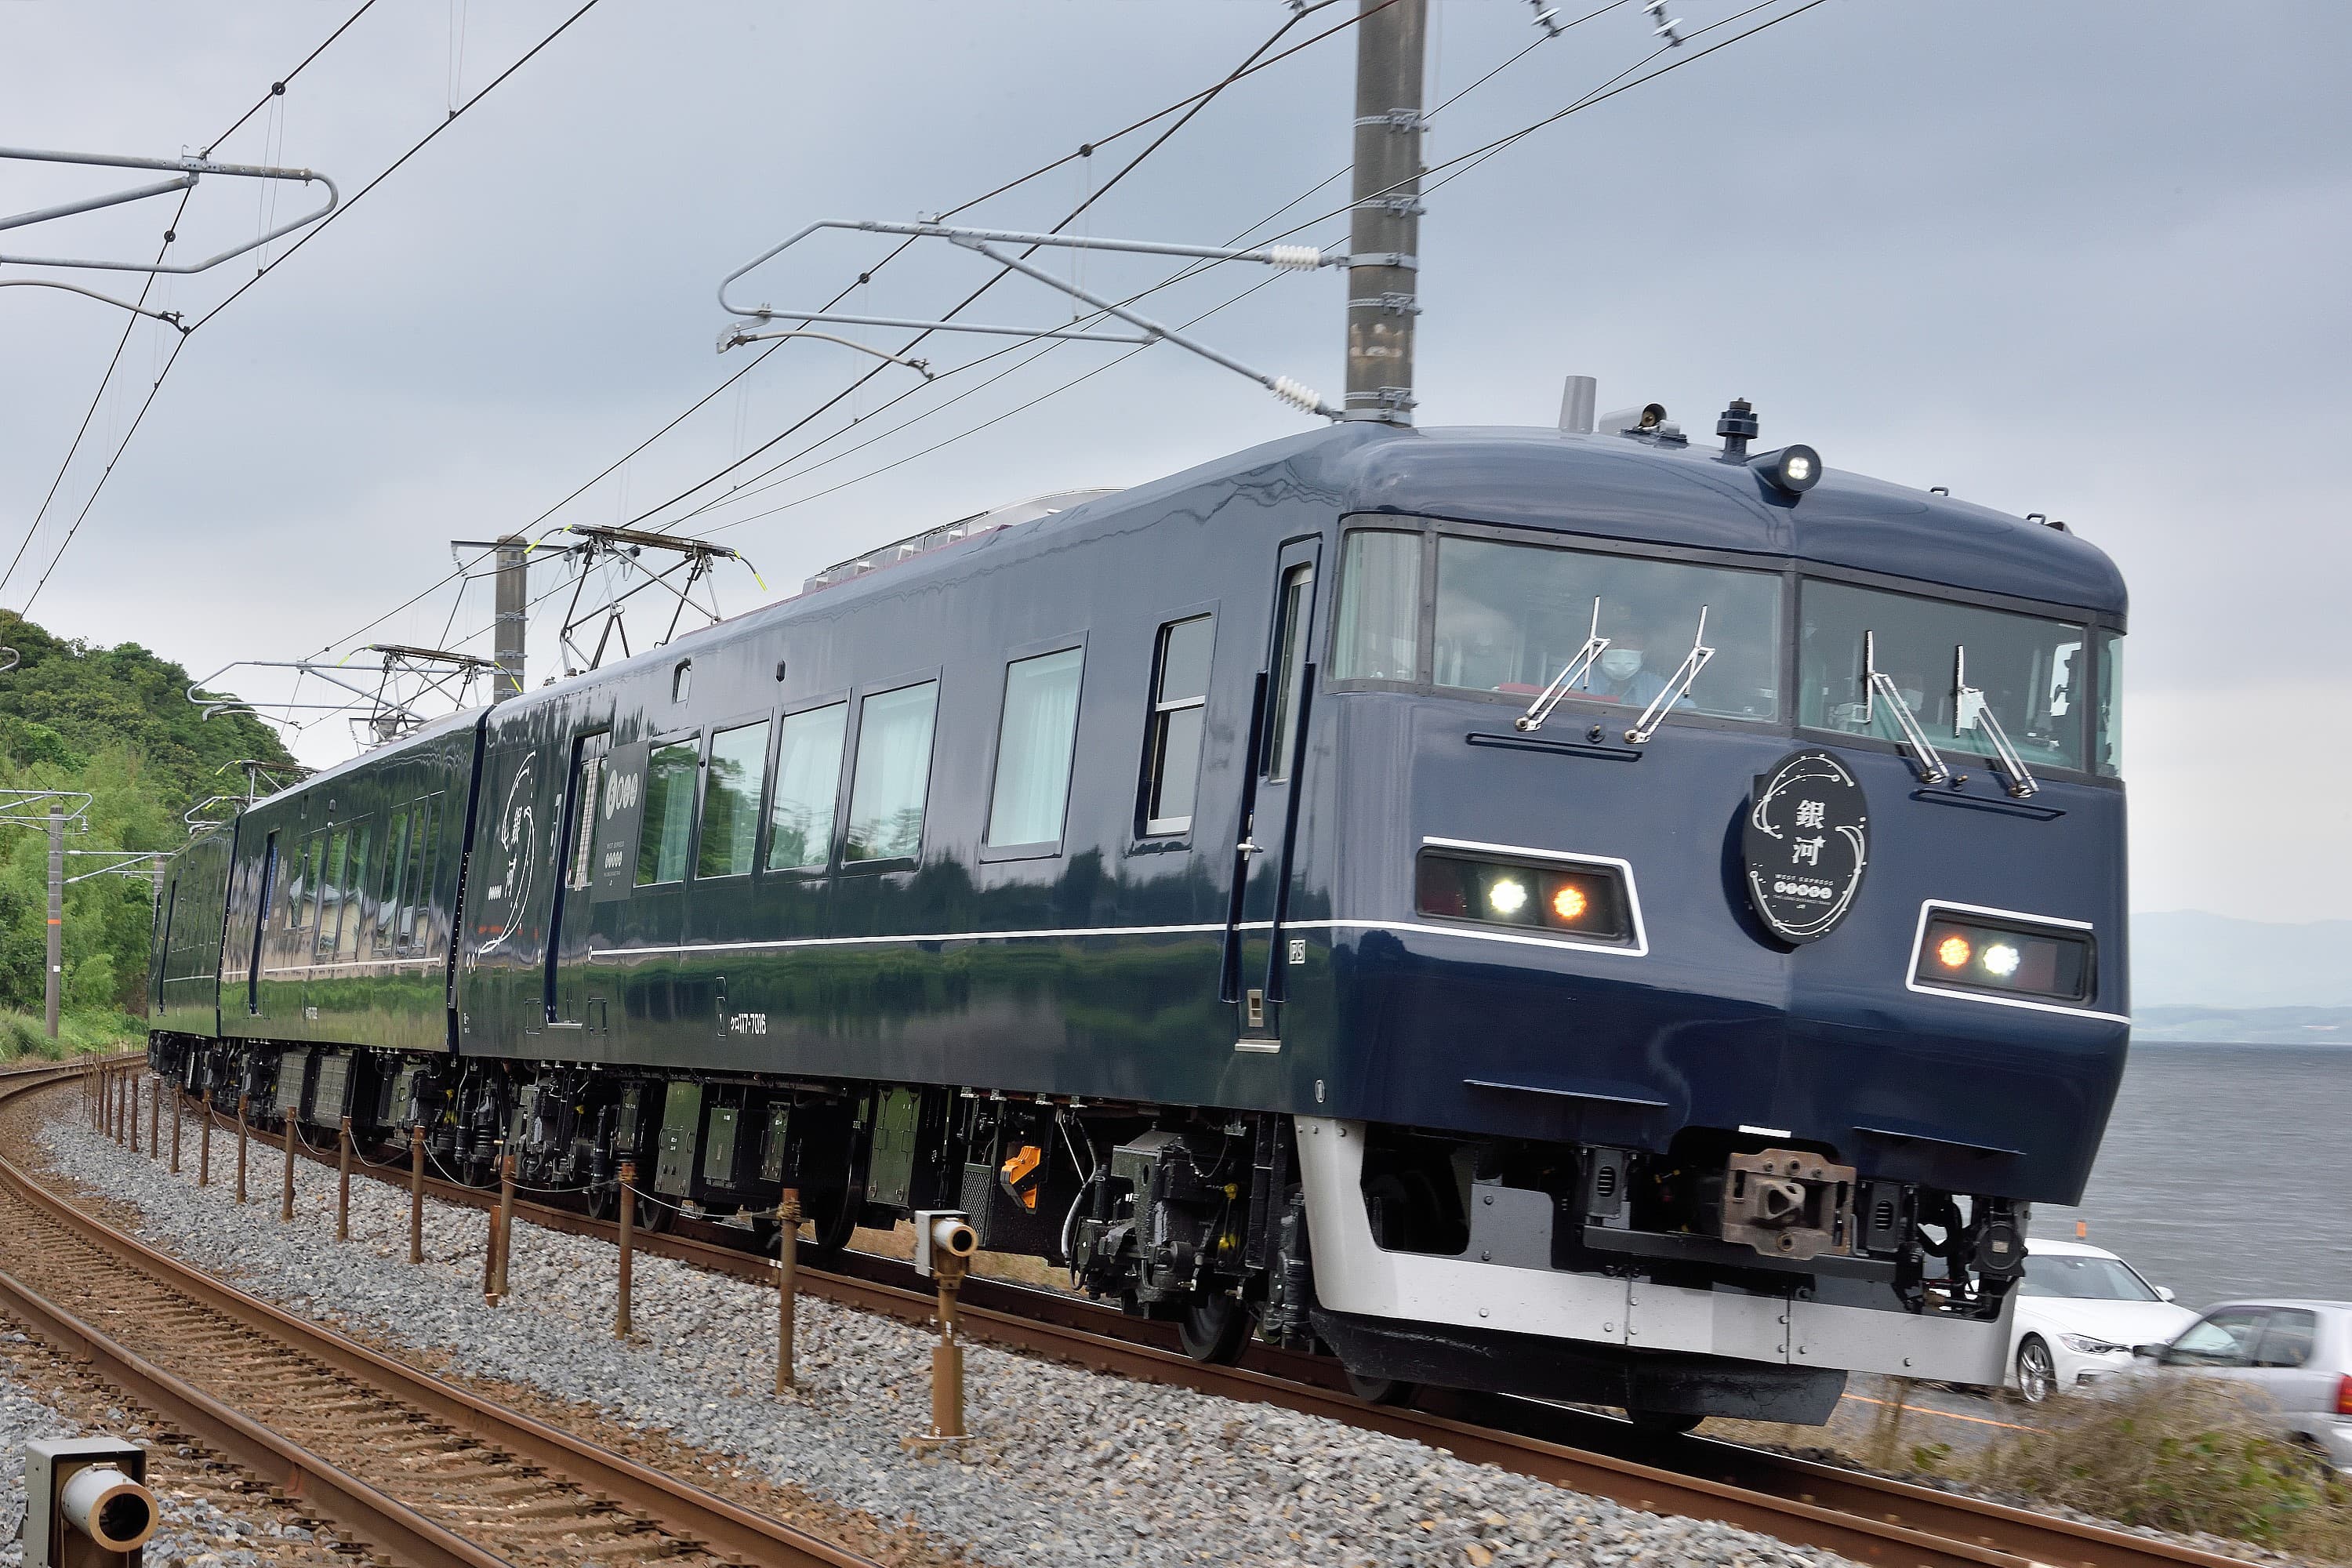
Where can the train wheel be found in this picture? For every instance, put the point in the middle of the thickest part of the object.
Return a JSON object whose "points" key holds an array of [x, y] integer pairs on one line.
{"points": [[1663, 1423], [833, 1219], [1213, 1328], [1381, 1390], [653, 1216]]}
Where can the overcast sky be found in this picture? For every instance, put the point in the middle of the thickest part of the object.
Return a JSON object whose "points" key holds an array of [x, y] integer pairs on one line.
{"points": [[2084, 259]]}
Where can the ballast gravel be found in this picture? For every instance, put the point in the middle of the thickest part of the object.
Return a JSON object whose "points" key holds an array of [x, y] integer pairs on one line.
{"points": [[1064, 1466]]}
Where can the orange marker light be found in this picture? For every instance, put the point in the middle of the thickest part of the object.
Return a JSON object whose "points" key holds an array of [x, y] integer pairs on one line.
{"points": [[1953, 952], [1569, 903]]}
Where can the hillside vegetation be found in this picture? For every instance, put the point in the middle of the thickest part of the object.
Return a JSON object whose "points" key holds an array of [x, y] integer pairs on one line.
{"points": [[115, 722]]}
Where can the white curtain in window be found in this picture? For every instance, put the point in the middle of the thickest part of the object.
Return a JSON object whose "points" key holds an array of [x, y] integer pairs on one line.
{"points": [[1379, 607], [1034, 746], [894, 774], [808, 777]]}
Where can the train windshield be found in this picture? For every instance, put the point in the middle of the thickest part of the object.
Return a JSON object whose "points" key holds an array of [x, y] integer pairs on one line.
{"points": [[2033, 672], [1510, 616]]}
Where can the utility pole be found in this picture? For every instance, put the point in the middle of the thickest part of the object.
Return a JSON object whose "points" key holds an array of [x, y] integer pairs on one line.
{"points": [[514, 615], [57, 911], [1384, 232]]}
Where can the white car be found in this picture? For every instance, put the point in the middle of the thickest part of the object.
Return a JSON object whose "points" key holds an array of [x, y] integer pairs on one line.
{"points": [[2296, 1354], [2080, 1310]]}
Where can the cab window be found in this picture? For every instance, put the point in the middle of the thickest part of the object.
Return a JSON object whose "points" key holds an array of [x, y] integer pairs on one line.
{"points": [[2030, 672], [1511, 617]]}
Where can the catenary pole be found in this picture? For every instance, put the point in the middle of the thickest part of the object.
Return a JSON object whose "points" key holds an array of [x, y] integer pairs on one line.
{"points": [[1384, 230], [514, 615], [57, 913]]}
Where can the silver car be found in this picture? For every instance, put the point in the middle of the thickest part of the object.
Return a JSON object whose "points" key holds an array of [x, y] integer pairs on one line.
{"points": [[2297, 1354]]}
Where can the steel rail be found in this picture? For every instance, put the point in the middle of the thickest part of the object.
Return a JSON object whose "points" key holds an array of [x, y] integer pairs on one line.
{"points": [[1870, 1519], [722, 1526]]}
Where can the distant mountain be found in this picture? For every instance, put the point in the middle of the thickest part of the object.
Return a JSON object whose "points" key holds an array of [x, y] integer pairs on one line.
{"points": [[2243, 1025], [2190, 959]]}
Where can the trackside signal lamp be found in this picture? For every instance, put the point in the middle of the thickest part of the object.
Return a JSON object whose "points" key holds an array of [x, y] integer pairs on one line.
{"points": [[1792, 471]]}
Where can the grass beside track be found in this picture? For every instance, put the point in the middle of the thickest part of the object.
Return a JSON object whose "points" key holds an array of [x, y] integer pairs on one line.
{"points": [[2181, 1455], [23, 1037]]}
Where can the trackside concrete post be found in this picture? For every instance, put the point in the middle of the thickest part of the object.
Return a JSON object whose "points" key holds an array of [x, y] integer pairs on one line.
{"points": [[343, 1181], [788, 1268], [628, 1241]]}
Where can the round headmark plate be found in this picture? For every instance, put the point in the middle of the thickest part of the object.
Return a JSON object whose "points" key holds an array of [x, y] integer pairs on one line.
{"points": [[1807, 843]]}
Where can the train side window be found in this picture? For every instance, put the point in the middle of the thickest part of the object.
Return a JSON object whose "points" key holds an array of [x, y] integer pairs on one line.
{"points": [[304, 912], [1290, 666], [356, 891], [731, 801], [416, 882], [808, 781], [587, 797], [893, 778], [669, 812], [387, 897], [1034, 743], [1379, 632], [681, 680], [1179, 713], [330, 890]]}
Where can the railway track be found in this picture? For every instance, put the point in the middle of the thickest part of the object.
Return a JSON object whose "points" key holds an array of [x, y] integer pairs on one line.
{"points": [[426, 1473], [1866, 1518]]}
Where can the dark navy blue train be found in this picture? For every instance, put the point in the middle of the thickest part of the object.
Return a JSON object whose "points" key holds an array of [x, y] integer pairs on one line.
{"points": [[1595, 915]]}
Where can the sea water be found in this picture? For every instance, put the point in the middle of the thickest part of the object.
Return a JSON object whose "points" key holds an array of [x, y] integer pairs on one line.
{"points": [[2226, 1171]]}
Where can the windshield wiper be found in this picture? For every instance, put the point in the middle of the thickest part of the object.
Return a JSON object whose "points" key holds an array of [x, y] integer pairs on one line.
{"points": [[1971, 710], [1877, 683], [1676, 689], [1578, 668]]}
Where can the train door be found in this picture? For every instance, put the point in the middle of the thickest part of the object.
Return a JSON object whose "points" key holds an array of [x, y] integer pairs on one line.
{"points": [[263, 901], [159, 965], [1257, 947], [566, 989]]}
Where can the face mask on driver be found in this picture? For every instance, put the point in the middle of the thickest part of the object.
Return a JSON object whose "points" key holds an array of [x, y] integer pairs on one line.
{"points": [[1621, 663]]}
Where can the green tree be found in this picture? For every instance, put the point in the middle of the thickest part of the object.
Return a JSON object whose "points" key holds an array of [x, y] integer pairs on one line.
{"points": [[117, 724]]}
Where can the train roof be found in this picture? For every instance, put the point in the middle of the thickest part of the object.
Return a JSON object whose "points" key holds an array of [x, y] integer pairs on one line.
{"points": [[1611, 486], [1623, 488]]}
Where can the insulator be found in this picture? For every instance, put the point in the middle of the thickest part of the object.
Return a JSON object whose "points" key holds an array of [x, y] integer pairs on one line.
{"points": [[1294, 393], [1294, 258]]}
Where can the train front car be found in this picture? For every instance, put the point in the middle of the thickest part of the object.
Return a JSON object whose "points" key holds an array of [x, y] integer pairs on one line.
{"points": [[1721, 863]]}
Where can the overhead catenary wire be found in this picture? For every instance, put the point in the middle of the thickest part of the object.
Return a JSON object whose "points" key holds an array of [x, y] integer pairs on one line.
{"points": [[1606, 90], [277, 90], [1250, 67], [1194, 105], [1612, 87], [264, 271]]}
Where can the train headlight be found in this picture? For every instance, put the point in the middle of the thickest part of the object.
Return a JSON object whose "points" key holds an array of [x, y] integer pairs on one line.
{"points": [[2002, 954], [1791, 469], [1589, 902]]}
